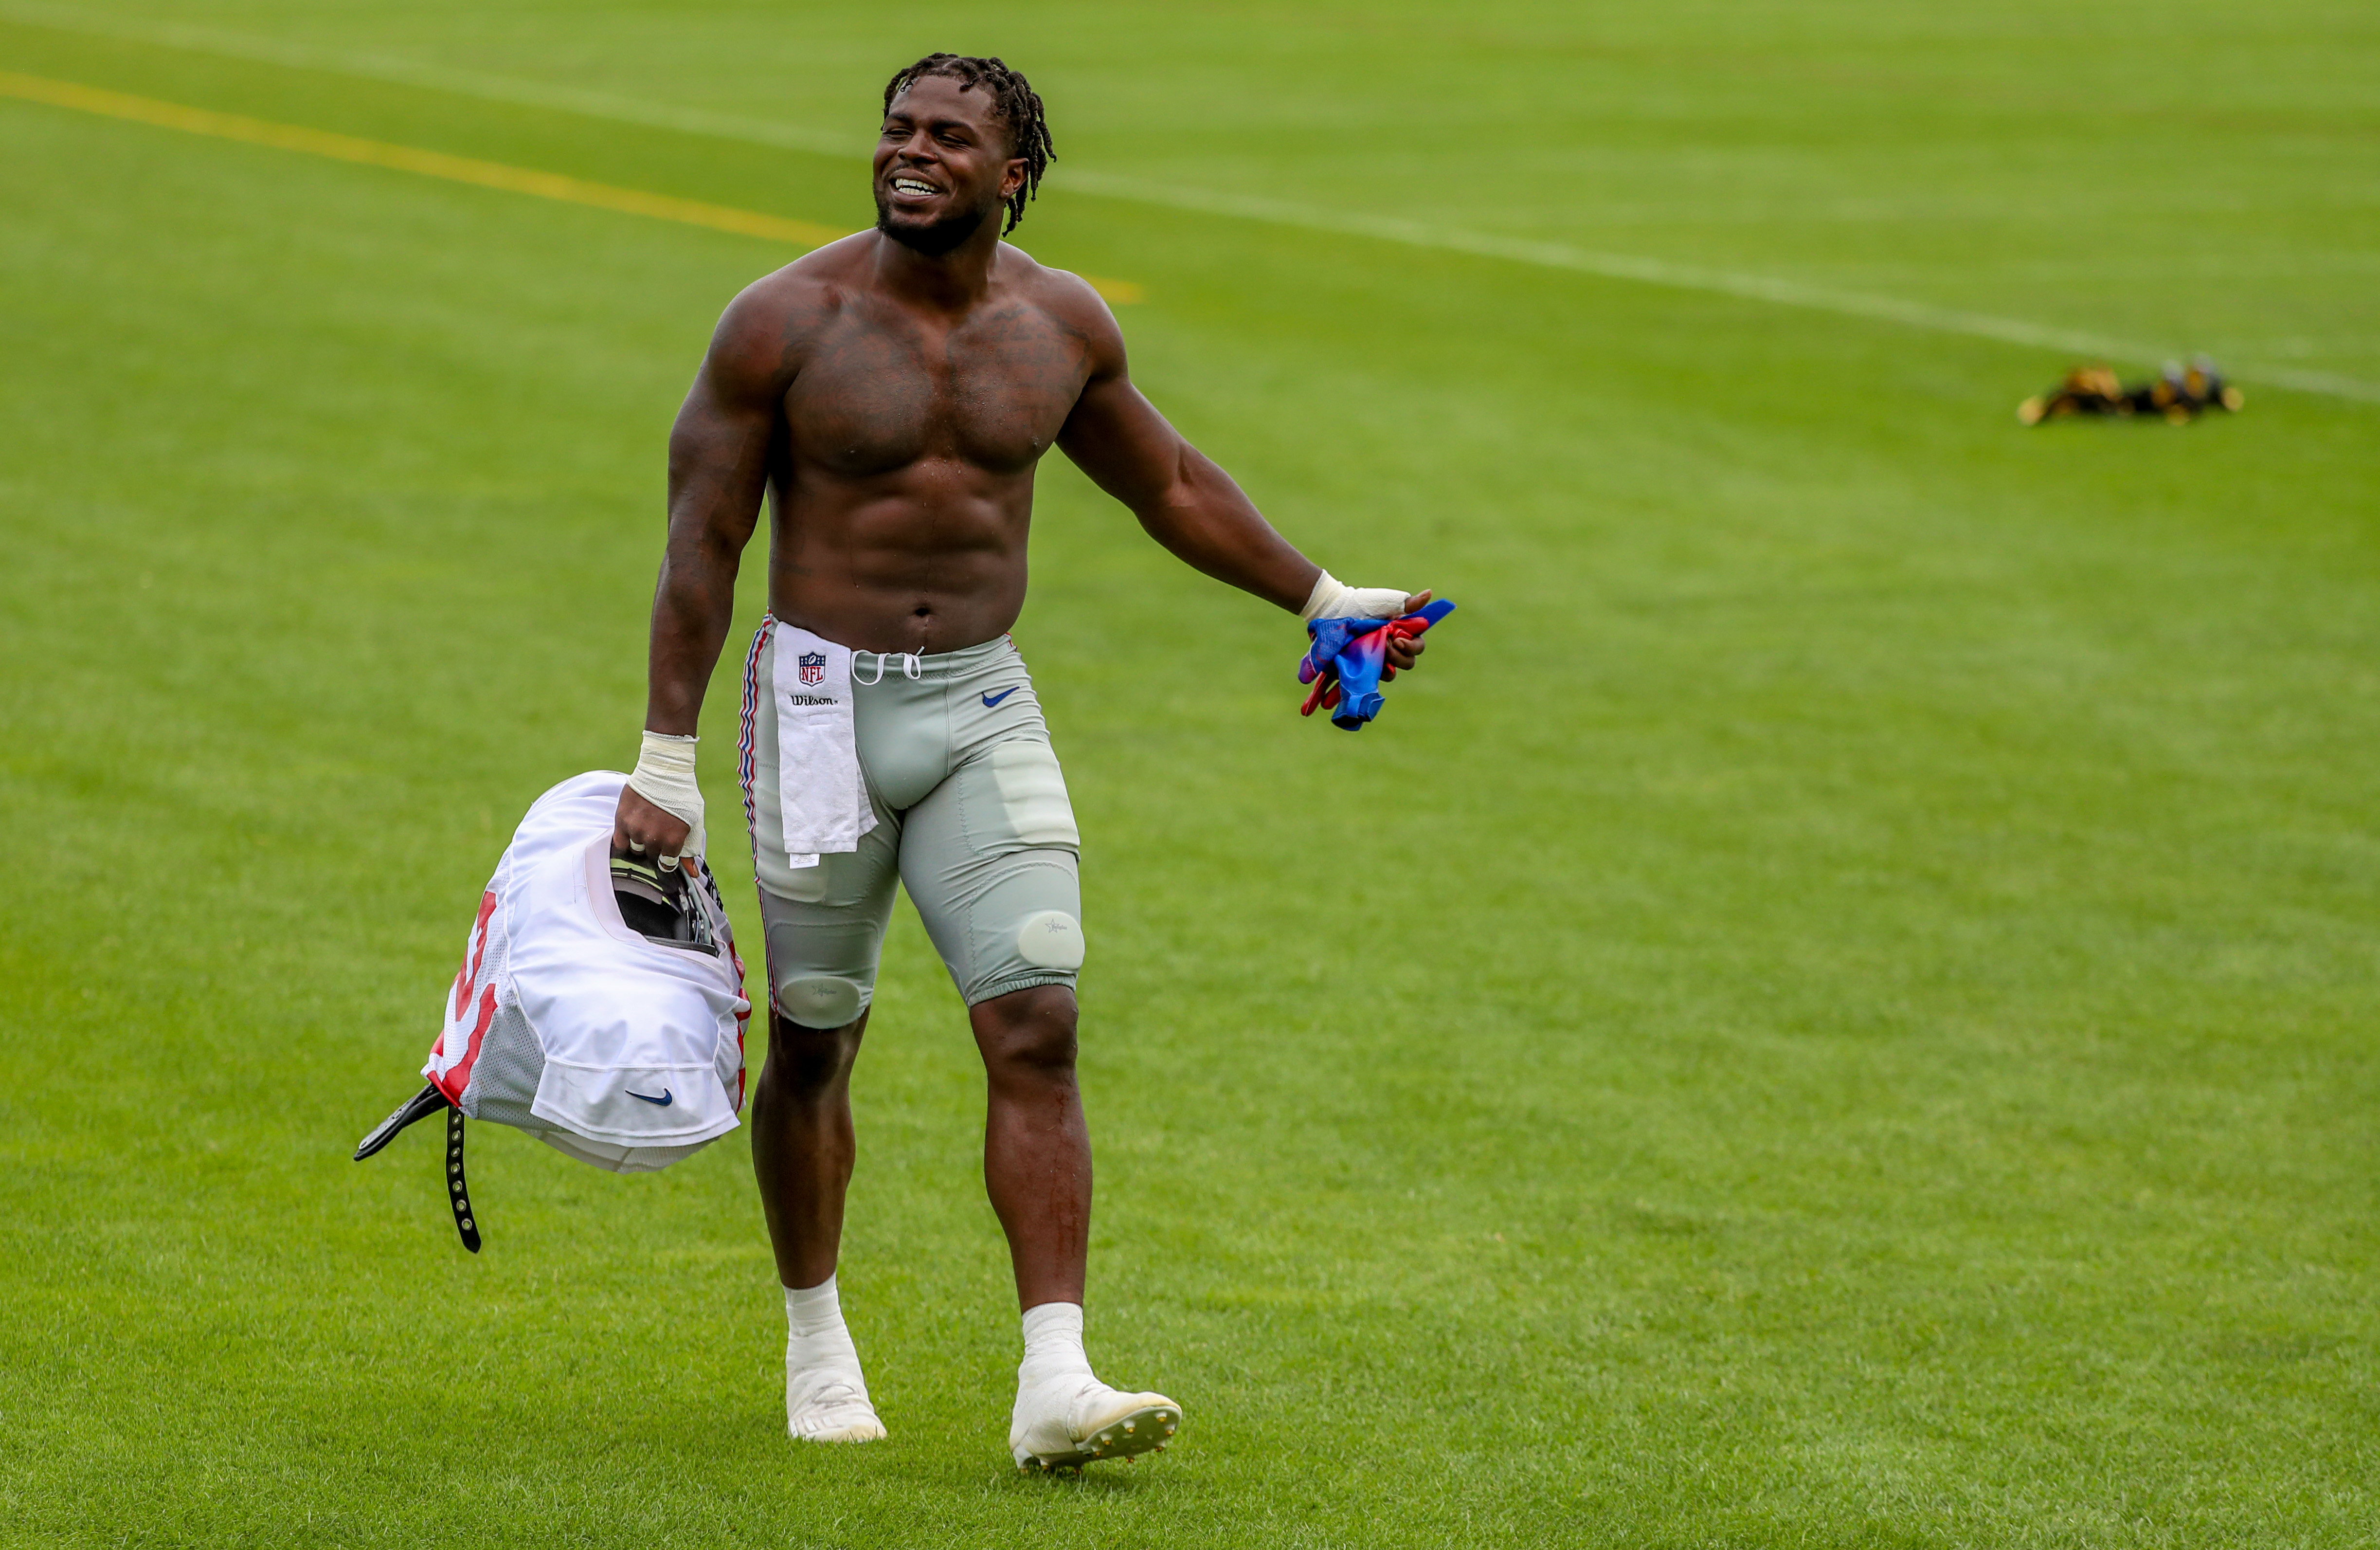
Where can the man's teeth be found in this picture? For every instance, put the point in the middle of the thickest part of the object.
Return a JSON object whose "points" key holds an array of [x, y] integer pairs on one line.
{"points": [[911, 186]]}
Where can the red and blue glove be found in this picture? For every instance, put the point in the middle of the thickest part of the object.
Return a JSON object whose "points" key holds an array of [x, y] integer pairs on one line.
{"points": [[1345, 662]]}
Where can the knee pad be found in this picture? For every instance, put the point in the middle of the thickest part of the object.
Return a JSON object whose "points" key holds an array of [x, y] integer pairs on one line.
{"points": [[821, 1000], [1051, 939]]}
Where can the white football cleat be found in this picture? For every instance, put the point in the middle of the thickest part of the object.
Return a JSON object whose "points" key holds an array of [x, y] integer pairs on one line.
{"points": [[830, 1408], [1068, 1425]]}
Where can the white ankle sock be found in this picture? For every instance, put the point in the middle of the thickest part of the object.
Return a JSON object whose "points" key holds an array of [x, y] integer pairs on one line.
{"points": [[818, 1347], [1053, 1344], [826, 1399], [1064, 1415]]}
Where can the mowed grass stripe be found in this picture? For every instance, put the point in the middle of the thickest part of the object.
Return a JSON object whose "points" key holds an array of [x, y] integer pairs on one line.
{"points": [[804, 235], [1627, 268]]}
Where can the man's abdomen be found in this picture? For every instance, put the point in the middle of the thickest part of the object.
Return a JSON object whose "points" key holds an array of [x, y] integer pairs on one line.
{"points": [[929, 557]]}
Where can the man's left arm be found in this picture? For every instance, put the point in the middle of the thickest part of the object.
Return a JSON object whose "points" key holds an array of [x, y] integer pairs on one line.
{"points": [[1190, 504]]}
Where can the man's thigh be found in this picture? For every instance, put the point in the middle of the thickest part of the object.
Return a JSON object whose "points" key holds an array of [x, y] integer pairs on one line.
{"points": [[826, 930], [824, 923], [989, 858]]}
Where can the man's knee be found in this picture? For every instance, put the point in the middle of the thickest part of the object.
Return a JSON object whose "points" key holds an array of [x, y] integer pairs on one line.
{"points": [[1028, 1033], [807, 1061]]}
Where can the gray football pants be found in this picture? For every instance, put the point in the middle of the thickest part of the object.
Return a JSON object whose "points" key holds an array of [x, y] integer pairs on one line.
{"points": [[971, 816]]}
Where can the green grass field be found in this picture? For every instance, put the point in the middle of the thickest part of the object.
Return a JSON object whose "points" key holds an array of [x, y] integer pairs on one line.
{"points": [[1839, 1010]]}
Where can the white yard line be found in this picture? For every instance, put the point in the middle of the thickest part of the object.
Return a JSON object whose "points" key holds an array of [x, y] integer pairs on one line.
{"points": [[1247, 207]]}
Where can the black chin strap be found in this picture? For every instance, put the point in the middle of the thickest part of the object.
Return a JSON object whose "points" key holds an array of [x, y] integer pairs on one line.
{"points": [[421, 1105], [458, 1192]]}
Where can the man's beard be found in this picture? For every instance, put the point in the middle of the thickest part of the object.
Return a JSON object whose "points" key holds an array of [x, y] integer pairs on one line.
{"points": [[932, 242]]}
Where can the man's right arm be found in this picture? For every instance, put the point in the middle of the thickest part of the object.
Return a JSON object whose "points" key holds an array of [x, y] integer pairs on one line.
{"points": [[718, 473]]}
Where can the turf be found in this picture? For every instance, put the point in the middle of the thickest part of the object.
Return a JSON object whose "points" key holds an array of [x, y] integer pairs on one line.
{"points": [[1838, 1011]]}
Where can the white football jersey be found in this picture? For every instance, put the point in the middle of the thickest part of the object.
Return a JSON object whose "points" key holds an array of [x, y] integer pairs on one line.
{"points": [[621, 1051]]}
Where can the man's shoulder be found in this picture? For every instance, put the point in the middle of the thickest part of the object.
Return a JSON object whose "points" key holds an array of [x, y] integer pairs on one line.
{"points": [[766, 331], [1047, 285], [1065, 295], [790, 300]]}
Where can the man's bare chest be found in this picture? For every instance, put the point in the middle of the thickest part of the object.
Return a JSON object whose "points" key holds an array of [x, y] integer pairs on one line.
{"points": [[872, 397]]}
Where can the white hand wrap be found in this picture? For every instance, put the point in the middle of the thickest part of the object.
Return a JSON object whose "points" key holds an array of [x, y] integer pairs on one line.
{"points": [[1330, 600], [664, 777]]}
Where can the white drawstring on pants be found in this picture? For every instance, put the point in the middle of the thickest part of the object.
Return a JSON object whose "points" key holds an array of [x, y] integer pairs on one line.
{"points": [[913, 668]]}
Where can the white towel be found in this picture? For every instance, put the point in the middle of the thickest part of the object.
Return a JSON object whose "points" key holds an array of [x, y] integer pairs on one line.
{"points": [[820, 788]]}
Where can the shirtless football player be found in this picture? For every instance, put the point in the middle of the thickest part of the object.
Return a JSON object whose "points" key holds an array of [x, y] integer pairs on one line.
{"points": [[892, 393]]}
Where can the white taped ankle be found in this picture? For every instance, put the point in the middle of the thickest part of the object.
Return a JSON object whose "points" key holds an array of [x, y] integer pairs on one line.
{"points": [[826, 1398], [817, 1340], [1053, 1343]]}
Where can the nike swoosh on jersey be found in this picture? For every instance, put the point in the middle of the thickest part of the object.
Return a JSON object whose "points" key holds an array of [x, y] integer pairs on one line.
{"points": [[991, 699], [662, 1102]]}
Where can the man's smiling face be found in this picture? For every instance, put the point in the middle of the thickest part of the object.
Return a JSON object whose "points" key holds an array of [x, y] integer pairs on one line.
{"points": [[943, 166]]}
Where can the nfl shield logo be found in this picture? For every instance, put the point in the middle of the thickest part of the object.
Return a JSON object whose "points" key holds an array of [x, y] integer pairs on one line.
{"points": [[813, 666]]}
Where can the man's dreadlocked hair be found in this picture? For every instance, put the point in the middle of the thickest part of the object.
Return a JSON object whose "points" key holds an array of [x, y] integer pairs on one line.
{"points": [[1013, 103]]}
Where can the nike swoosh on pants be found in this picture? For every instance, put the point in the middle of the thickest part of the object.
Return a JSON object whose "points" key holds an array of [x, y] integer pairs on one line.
{"points": [[991, 699]]}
